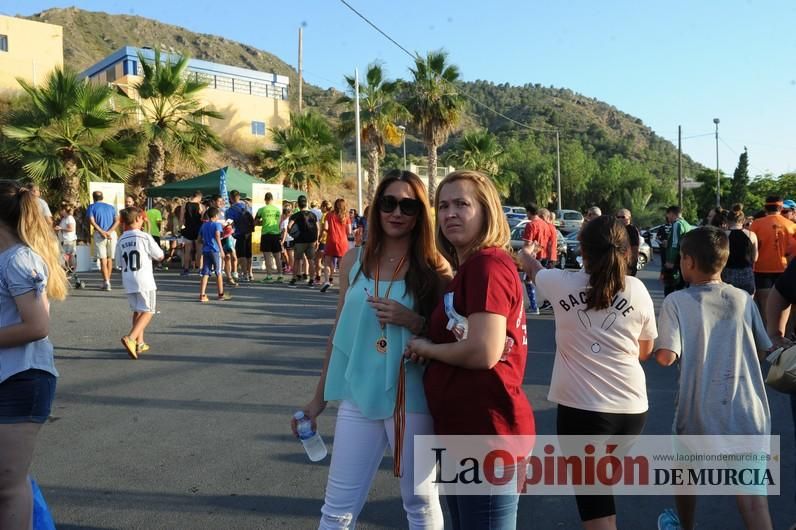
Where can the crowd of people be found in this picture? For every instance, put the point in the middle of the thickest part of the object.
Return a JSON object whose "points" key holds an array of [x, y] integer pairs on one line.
{"points": [[430, 330]]}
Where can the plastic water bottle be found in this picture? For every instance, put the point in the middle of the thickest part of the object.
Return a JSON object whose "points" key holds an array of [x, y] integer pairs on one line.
{"points": [[311, 440]]}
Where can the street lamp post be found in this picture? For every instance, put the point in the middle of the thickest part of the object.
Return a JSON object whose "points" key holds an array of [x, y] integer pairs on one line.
{"points": [[403, 132], [718, 172]]}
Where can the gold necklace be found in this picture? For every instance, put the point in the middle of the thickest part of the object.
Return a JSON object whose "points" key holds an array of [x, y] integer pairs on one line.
{"points": [[381, 343]]}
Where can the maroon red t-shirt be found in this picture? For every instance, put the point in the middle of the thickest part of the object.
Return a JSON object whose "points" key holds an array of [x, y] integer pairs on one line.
{"points": [[464, 401]]}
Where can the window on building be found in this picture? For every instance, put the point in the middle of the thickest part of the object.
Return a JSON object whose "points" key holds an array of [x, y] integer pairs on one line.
{"points": [[3, 43], [110, 74], [258, 128]]}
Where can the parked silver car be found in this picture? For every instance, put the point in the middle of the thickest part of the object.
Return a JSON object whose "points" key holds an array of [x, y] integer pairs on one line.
{"points": [[517, 242]]}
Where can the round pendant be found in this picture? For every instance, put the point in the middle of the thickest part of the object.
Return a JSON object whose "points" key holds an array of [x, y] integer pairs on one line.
{"points": [[381, 345]]}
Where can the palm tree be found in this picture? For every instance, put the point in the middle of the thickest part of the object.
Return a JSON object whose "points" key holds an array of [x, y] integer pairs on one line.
{"points": [[379, 110], [69, 135], [304, 153], [173, 115], [481, 151], [435, 105]]}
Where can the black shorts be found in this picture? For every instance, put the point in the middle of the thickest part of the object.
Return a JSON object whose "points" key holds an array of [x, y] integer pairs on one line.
{"points": [[190, 233], [243, 246], [572, 421], [27, 397], [766, 280], [271, 244]]}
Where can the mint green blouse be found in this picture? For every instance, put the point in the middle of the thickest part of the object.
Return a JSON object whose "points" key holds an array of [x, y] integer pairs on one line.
{"points": [[357, 371]]}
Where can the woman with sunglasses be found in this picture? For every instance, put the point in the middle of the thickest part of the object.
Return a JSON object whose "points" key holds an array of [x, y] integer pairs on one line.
{"points": [[477, 339], [387, 288]]}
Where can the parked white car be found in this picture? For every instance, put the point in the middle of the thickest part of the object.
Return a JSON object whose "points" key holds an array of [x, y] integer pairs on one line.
{"points": [[514, 209], [569, 220]]}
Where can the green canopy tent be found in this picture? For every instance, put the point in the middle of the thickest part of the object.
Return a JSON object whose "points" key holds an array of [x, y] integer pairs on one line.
{"points": [[208, 184]]}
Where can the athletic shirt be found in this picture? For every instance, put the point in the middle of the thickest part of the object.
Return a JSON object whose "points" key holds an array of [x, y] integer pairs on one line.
{"points": [[357, 372], [774, 234], [741, 249], [66, 222], [596, 367], [269, 214], [135, 251], [483, 401], [193, 218]]}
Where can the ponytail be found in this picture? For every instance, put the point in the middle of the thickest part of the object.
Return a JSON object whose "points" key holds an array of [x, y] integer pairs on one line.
{"points": [[20, 211], [605, 247]]}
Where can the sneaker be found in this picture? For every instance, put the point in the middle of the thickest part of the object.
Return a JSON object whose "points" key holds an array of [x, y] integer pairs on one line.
{"points": [[292, 282], [235, 276], [532, 310], [185, 272], [142, 347], [224, 296], [267, 279], [106, 286], [545, 306], [130, 346], [311, 284], [317, 279], [325, 287], [668, 520], [279, 279], [203, 298], [232, 282]]}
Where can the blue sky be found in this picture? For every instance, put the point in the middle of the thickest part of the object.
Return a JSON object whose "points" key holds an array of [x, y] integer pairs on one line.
{"points": [[668, 63]]}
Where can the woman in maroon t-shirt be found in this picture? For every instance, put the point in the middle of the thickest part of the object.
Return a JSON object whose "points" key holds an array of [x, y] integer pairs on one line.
{"points": [[474, 382]]}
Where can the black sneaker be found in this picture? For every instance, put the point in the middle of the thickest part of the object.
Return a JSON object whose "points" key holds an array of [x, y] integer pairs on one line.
{"points": [[546, 306], [292, 282], [325, 287], [311, 284]]}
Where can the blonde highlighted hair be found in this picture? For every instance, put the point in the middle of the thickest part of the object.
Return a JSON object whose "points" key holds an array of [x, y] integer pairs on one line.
{"points": [[494, 229], [21, 213]]}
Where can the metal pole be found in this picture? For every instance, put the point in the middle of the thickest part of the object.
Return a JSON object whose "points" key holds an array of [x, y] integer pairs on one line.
{"points": [[301, 34], [558, 173], [403, 132], [718, 172], [680, 166], [358, 134]]}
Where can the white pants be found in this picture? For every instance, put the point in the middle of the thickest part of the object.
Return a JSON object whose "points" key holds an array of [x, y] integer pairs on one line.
{"points": [[359, 445]]}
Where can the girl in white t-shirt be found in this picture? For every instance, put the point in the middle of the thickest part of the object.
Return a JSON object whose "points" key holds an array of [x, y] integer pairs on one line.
{"points": [[287, 241], [605, 325], [67, 235]]}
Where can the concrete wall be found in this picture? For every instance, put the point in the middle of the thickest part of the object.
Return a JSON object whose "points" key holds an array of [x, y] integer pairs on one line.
{"points": [[34, 50]]}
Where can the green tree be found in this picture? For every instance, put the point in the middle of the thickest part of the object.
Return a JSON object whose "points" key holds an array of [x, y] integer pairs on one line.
{"points": [[705, 194], [435, 105], [70, 135], [481, 151], [577, 171], [173, 115], [304, 153], [532, 172], [378, 114], [740, 180]]}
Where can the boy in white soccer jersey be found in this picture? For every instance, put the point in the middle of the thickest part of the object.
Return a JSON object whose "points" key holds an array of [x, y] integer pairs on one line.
{"points": [[135, 252]]}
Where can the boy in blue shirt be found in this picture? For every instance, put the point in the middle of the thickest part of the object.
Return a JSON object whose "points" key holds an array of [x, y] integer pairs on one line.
{"points": [[212, 254]]}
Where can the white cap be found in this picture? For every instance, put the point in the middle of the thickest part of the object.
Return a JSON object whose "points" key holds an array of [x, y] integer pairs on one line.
{"points": [[299, 414]]}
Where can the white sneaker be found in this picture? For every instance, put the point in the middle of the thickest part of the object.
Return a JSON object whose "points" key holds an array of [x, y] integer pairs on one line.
{"points": [[106, 286]]}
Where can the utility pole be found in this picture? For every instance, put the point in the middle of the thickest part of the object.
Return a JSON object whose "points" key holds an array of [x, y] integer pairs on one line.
{"points": [[718, 172], [680, 166], [558, 173], [358, 134], [300, 50]]}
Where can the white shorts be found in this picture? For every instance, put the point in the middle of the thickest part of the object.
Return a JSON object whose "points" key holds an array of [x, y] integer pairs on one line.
{"points": [[105, 248], [68, 247], [142, 302]]}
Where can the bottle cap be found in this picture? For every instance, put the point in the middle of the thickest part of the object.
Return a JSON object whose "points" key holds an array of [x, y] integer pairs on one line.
{"points": [[299, 414]]}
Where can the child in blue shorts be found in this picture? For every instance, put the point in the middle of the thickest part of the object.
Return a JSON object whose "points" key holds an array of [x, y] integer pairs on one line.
{"points": [[212, 254]]}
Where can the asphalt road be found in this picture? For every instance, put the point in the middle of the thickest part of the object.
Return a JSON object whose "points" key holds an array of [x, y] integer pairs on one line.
{"points": [[196, 433]]}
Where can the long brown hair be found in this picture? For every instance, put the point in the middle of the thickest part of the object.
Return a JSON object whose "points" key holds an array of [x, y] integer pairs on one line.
{"points": [[604, 246], [425, 263], [494, 231], [20, 212], [340, 210]]}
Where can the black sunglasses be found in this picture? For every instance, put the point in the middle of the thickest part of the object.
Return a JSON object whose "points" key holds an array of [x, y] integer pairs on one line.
{"points": [[410, 207]]}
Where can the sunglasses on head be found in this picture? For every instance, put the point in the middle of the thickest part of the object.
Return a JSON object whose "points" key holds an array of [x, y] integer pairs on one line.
{"points": [[410, 207]]}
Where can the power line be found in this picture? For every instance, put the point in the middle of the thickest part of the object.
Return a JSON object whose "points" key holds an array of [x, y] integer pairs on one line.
{"points": [[374, 26]]}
